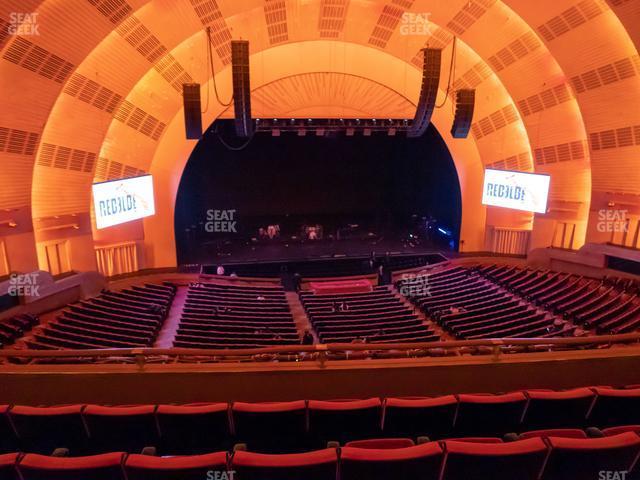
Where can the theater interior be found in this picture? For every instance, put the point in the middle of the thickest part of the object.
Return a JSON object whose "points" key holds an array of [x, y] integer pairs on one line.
{"points": [[319, 239]]}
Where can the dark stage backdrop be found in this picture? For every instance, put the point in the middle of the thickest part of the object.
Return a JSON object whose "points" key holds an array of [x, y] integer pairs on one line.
{"points": [[292, 180]]}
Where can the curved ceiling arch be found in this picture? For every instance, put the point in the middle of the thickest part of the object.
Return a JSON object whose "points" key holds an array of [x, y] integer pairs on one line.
{"points": [[366, 18]]}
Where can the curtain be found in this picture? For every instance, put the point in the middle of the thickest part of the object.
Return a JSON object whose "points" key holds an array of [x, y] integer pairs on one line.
{"points": [[509, 241], [117, 259]]}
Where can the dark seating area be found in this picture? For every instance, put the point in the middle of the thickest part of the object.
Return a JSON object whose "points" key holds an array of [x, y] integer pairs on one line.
{"points": [[464, 436], [608, 306], [471, 307], [229, 316], [15, 327], [378, 316], [114, 319]]}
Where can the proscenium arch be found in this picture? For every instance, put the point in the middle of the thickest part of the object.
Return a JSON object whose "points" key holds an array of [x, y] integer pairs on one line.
{"points": [[122, 134], [572, 58], [174, 150]]}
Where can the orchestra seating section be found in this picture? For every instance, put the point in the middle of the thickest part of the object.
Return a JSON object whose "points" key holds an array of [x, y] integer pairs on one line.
{"points": [[128, 318], [531, 434], [606, 306], [378, 316], [15, 327], [229, 316], [502, 301], [469, 302]]}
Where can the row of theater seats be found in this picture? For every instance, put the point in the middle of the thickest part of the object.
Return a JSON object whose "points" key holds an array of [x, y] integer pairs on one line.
{"points": [[608, 306], [536, 458], [471, 307], [378, 316], [305, 425], [229, 316], [15, 327], [124, 319]]}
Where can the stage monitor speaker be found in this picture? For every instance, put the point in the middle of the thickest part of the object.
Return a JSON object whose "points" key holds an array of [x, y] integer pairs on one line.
{"points": [[192, 112], [241, 88], [465, 104], [428, 93]]}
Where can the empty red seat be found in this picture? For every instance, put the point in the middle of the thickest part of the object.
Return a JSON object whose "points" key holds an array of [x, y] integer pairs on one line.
{"points": [[344, 421], [382, 443], [414, 417], [418, 462], [8, 470], [547, 409], [107, 466], [317, 465], [192, 467], [521, 460], [555, 432], [609, 432], [615, 407], [584, 459], [193, 429], [43, 429], [489, 415], [271, 427], [128, 429]]}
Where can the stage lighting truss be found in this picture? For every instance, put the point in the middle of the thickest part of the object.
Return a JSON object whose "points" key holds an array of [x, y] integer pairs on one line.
{"points": [[331, 126]]}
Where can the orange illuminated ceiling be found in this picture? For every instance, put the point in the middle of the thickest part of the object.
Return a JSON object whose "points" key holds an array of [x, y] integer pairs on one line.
{"points": [[96, 93]]}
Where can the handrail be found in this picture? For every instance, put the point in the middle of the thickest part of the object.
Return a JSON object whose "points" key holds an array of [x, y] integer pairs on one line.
{"points": [[320, 348]]}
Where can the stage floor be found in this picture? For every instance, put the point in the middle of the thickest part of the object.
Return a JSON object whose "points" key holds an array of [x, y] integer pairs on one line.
{"points": [[278, 250]]}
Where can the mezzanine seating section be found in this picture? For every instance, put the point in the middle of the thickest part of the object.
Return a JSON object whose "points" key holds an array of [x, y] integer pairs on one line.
{"points": [[378, 316], [128, 318], [229, 316]]}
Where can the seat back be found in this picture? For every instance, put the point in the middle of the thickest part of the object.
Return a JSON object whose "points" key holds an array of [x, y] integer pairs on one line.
{"points": [[489, 415], [615, 407], [555, 432], [193, 429], [316, 465], [382, 443], [344, 421], [276, 427], [421, 461], [43, 429], [586, 458], [414, 417], [128, 429], [565, 409], [8, 468], [194, 467], [522, 460], [98, 467]]}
